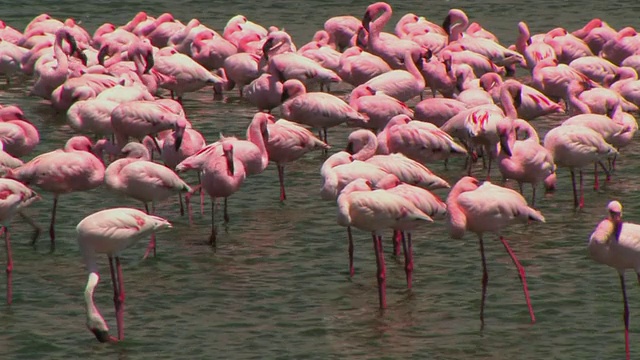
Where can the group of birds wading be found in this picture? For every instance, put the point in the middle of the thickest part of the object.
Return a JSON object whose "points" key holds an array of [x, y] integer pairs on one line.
{"points": [[124, 86]]}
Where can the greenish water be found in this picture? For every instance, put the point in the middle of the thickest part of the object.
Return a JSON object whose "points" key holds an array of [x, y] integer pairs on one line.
{"points": [[277, 286]]}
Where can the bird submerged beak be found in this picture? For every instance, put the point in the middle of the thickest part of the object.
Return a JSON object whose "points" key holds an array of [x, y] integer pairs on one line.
{"points": [[103, 336]]}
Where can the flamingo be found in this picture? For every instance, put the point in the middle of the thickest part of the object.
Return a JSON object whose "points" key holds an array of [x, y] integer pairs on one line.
{"points": [[288, 142], [489, 208], [316, 109], [14, 197], [110, 232], [340, 169], [533, 51], [422, 142], [594, 67], [401, 84], [373, 211], [55, 74], [357, 66], [138, 177], [265, 92], [615, 243], [341, 29], [566, 46], [438, 110], [596, 33], [576, 146], [377, 106], [241, 69], [21, 136], [210, 50], [74, 168]]}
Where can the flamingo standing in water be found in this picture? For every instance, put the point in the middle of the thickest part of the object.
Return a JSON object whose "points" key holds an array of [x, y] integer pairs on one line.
{"points": [[489, 208], [110, 232], [616, 243], [376, 210], [288, 142], [138, 177], [75, 168], [14, 197]]}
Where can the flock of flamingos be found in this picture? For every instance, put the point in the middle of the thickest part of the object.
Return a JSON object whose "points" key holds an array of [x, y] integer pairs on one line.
{"points": [[114, 88]]}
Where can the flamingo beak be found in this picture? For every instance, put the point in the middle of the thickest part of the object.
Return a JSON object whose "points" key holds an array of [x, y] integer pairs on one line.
{"points": [[179, 133], [150, 62], [230, 165], [366, 20], [102, 54], [349, 148], [103, 336], [504, 144]]}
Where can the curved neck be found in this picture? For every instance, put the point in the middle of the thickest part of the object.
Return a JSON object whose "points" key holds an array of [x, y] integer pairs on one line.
{"points": [[413, 69], [376, 26], [255, 135], [457, 218], [63, 61], [111, 174], [366, 149], [522, 125], [507, 93]]}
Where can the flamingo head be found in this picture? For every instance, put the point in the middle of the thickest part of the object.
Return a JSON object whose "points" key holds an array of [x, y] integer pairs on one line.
{"points": [[504, 128], [227, 149], [615, 211], [135, 150]]}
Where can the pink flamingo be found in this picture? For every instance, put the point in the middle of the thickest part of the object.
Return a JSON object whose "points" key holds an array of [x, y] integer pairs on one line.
{"points": [[623, 45], [401, 84], [110, 232], [533, 51], [10, 58], [615, 243], [373, 211], [22, 136], [489, 208], [377, 106], [456, 23], [7, 33], [594, 67], [422, 142], [91, 116], [566, 46], [340, 169], [288, 142], [75, 168], [15, 196], [138, 177], [189, 76], [51, 77], [265, 92], [241, 69], [341, 29], [529, 161], [424, 200], [576, 146], [554, 79], [363, 144], [210, 50], [222, 176], [87, 86], [161, 30], [316, 109], [393, 52], [141, 118], [438, 110], [239, 26], [357, 66], [596, 33]]}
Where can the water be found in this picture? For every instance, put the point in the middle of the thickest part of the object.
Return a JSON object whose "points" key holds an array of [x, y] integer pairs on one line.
{"points": [[277, 285]]}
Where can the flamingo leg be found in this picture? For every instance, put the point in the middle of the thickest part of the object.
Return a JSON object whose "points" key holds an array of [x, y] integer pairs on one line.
{"points": [[397, 239], [212, 237], [625, 316], [596, 183], [575, 193], [201, 195], [489, 167], [116, 293], [120, 315], [485, 280], [7, 243], [187, 199], [581, 189], [52, 231], [523, 277], [283, 196], [533, 196], [36, 228], [351, 269], [181, 204], [382, 271], [226, 214], [152, 241], [607, 172], [408, 258]]}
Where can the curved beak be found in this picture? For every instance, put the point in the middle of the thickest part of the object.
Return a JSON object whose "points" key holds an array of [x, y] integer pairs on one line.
{"points": [[366, 20], [504, 144], [230, 165], [266, 47], [349, 148], [446, 24], [284, 97], [103, 336], [178, 134], [150, 62], [102, 54]]}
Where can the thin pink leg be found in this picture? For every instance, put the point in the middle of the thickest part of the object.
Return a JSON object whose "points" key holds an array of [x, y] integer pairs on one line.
{"points": [[606, 171], [397, 240], [226, 214], [120, 315], [575, 192], [283, 195], [489, 167], [116, 295], [581, 189], [523, 277], [382, 271], [351, 269], [212, 237], [201, 195], [625, 316], [52, 231], [7, 243], [408, 258], [181, 204], [596, 184], [485, 280], [187, 199], [152, 241]]}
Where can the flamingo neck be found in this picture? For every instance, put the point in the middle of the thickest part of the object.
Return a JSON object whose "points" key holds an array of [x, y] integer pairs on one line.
{"points": [[61, 57], [413, 70], [112, 177], [507, 91], [255, 136], [368, 149], [376, 26], [457, 217], [95, 321]]}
